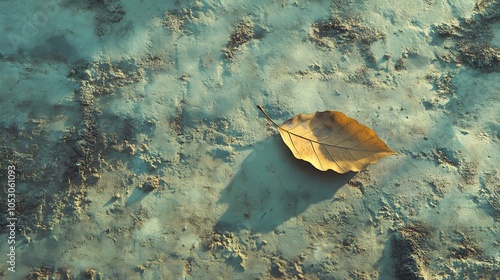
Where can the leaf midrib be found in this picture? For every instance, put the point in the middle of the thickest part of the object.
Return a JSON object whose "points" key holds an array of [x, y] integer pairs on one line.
{"points": [[325, 144]]}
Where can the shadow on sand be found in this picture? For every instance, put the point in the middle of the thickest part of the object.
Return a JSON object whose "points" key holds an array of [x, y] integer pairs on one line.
{"points": [[272, 186]]}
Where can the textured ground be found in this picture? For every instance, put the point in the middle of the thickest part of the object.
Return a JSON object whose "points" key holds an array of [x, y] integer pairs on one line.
{"points": [[141, 153]]}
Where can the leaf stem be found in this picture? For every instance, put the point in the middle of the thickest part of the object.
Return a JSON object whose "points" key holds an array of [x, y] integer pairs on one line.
{"points": [[267, 116]]}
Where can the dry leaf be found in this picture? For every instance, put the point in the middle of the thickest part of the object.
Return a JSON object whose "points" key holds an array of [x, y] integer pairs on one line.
{"points": [[332, 140]]}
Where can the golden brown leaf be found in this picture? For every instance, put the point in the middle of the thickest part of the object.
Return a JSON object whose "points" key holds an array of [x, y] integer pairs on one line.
{"points": [[332, 140]]}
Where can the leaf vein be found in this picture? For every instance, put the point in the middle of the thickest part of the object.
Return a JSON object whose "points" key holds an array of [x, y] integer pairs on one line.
{"points": [[355, 158], [293, 144], [326, 144], [334, 160], [316, 153]]}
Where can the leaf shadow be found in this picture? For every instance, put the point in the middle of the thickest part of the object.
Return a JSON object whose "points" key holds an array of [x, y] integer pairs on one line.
{"points": [[272, 186]]}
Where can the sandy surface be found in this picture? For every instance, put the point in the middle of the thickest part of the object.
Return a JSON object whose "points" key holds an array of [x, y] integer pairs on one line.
{"points": [[140, 153]]}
